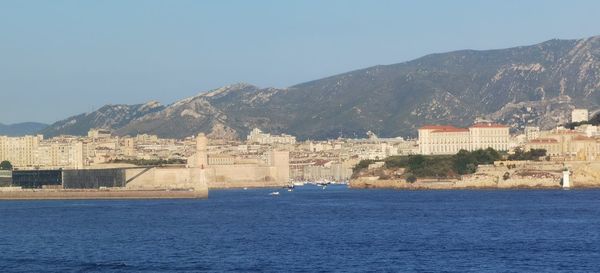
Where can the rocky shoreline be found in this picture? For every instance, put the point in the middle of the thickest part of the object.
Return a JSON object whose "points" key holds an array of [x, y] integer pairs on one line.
{"points": [[526, 175]]}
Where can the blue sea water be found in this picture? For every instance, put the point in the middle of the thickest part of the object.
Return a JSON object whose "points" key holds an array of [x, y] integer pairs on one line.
{"points": [[308, 230]]}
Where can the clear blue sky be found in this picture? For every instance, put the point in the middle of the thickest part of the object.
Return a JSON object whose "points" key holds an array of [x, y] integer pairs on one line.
{"points": [[60, 58]]}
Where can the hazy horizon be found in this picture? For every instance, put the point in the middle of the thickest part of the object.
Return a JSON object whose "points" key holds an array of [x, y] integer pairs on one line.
{"points": [[63, 58]]}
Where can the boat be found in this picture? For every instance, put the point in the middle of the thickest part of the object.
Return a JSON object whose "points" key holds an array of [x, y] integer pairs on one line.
{"points": [[274, 193], [290, 190]]}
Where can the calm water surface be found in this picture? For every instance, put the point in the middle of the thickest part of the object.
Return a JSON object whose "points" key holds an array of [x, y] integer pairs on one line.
{"points": [[309, 230]]}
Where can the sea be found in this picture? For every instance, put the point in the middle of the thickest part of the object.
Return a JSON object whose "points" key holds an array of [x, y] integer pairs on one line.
{"points": [[310, 229]]}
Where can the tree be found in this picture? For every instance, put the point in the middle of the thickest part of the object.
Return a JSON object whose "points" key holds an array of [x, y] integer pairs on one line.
{"points": [[533, 154], [6, 165], [464, 162], [537, 153], [416, 162], [363, 164]]}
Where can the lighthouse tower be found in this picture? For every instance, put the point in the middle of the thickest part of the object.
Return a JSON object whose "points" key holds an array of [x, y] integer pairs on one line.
{"points": [[201, 151], [566, 182]]}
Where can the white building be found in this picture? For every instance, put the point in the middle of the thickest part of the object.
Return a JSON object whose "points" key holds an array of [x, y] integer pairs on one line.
{"points": [[35, 152], [99, 133], [579, 115], [440, 140], [257, 136], [20, 151]]}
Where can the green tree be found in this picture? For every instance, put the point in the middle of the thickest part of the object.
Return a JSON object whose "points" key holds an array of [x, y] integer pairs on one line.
{"points": [[363, 164], [537, 153], [464, 162], [416, 162], [6, 165], [533, 154]]}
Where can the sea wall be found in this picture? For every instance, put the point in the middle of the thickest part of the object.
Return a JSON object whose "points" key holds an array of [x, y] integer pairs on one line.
{"points": [[242, 176], [38, 194], [166, 179]]}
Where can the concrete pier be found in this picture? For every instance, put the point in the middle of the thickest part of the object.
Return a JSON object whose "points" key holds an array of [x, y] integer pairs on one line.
{"points": [[29, 194]]}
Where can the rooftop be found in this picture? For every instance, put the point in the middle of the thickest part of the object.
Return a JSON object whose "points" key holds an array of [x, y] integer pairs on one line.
{"points": [[451, 130], [544, 140], [488, 125]]}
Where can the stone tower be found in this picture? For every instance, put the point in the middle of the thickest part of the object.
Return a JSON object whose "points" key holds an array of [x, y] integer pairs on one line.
{"points": [[201, 151]]}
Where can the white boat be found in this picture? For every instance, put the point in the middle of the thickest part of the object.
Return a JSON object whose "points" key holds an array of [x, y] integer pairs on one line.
{"points": [[290, 190], [297, 184], [274, 193]]}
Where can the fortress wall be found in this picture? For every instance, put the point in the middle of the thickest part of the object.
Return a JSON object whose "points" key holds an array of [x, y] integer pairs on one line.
{"points": [[167, 178], [585, 173], [240, 176]]}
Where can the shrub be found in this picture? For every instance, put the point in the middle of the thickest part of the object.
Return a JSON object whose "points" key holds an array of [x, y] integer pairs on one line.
{"points": [[6, 165]]}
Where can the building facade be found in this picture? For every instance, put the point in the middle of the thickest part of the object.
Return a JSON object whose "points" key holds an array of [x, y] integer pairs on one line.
{"points": [[579, 115], [447, 140], [20, 151], [257, 136]]}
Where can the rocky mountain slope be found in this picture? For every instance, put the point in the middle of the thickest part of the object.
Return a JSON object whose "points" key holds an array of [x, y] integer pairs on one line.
{"points": [[20, 129], [527, 85], [108, 116]]}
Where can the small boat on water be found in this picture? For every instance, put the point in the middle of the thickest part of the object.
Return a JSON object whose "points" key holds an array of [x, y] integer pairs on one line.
{"points": [[274, 193], [290, 190]]}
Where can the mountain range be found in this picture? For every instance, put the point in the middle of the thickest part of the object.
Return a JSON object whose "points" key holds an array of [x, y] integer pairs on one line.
{"points": [[527, 85], [20, 129]]}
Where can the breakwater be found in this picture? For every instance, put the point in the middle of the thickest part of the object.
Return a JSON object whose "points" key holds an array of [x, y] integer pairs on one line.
{"points": [[36, 194]]}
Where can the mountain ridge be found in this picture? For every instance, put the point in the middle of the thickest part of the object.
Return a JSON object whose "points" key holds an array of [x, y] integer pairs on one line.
{"points": [[526, 85], [21, 129]]}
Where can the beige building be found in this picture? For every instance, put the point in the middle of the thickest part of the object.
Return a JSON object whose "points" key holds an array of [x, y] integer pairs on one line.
{"points": [[532, 132], [20, 151], [35, 152], [227, 171], [579, 115], [446, 140], [568, 144], [60, 155]]}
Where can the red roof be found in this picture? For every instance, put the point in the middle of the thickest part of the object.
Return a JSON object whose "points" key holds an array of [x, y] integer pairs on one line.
{"points": [[488, 125], [582, 138]]}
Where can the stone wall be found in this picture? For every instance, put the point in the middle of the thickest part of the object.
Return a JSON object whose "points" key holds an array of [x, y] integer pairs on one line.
{"points": [[242, 176], [166, 179], [31, 194]]}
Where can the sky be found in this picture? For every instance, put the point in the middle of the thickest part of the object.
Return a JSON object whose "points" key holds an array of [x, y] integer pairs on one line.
{"points": [[61, 58]]}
